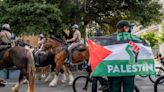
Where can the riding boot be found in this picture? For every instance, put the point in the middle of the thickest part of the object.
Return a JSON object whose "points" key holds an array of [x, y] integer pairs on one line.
{"points": [[37, 59], [69, 56]]}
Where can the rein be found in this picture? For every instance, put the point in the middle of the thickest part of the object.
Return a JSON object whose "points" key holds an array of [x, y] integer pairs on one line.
{"points": [[59, 40]]}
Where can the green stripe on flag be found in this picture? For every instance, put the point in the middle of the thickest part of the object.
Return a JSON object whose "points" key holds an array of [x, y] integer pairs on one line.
{"points": [[123, 68]]}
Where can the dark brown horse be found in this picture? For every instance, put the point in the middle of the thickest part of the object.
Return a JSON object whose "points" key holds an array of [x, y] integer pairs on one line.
{"points": [[24, 61], [44, 59], [59, 49]]}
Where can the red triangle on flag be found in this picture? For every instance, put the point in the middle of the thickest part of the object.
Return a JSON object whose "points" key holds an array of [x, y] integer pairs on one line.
{"points": [[97, 53]]}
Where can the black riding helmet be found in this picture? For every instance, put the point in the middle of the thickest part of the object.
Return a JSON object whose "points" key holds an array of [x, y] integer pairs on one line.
{"points": [[123, 23]]}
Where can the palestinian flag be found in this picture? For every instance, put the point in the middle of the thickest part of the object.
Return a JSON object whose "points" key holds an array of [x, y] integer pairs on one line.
{"points": [[122, 54]]}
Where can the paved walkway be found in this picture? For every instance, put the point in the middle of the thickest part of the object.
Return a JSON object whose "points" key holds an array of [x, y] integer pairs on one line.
{"points": [[144, 85]]}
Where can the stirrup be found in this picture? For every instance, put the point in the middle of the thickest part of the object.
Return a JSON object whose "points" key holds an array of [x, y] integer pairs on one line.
{"points": [[37, 63], [67, 62]]}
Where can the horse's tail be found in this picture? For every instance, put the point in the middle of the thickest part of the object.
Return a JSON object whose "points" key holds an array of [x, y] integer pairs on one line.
{"points": [[31, 71]]}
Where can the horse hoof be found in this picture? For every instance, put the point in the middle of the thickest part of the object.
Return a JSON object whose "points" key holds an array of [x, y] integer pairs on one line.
{"points": [[14, 90], [52, 85], [70, 83], [25, 81], [46, 80], [49, 78], [63, 81]]}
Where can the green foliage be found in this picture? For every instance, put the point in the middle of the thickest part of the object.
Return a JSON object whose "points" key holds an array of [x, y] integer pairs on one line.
{"points": [[69, 11], [146, 12], [155, 38], [161, 35], [32, 18], [152, 38]]}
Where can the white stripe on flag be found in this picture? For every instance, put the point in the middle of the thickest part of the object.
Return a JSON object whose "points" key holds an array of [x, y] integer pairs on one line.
{"points": [[119, 52]]}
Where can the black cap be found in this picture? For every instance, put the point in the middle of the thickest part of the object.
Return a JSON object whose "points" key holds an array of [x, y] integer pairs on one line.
{"points": [[122, 23]]}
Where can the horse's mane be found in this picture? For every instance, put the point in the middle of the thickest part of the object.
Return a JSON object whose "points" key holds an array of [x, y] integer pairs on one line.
{"points": [[57, 39]]}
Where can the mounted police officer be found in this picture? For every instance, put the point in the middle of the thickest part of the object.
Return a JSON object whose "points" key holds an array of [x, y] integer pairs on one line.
{"points": [[41, 41], [74, 41], [5, 36]]}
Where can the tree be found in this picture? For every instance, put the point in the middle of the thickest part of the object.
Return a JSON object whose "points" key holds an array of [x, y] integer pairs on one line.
{"points": [[109, 12], [66, 12], [31, 16], [71, 10], [161, 35], [152, 38]]}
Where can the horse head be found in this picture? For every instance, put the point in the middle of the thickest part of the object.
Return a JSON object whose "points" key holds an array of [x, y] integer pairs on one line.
{"points": [[52, 43]]}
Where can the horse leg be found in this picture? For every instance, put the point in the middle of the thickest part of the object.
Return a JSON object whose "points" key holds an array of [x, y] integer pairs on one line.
{"points": [[17, 86], [59, 58], [50, 75], [64, 73], [29, 88], [31, 72], [55, 79], [70, 76], [43, 72], [25, 81]]}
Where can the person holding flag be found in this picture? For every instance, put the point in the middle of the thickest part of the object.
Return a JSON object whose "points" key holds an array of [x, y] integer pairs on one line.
{"points": [[121, 56], [126, 81], [115, 82]]}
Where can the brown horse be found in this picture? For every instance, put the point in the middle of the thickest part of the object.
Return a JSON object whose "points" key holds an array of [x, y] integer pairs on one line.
{"points": [[45, 60], [59, 49], [24, 61]]}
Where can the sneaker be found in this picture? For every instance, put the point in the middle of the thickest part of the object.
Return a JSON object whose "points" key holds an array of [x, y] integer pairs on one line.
{"points": [[104, 87]]}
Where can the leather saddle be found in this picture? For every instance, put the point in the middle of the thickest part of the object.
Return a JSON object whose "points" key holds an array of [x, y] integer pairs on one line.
{"points": [[4, 46], [80, 47], [2, 52], [37, 56]]}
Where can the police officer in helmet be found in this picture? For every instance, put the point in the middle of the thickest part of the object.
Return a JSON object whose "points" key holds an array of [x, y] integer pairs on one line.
{"points": [[5, 35], [74, 41]]}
